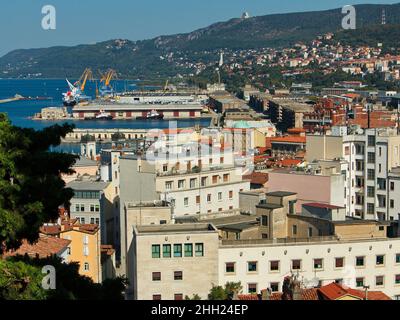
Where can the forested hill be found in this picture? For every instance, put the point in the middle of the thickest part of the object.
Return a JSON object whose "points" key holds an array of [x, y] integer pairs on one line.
{"points": [[135, 59]]}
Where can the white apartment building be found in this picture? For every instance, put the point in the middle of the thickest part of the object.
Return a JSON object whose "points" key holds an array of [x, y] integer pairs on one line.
{"points": [[262, 264], [371, 156]]}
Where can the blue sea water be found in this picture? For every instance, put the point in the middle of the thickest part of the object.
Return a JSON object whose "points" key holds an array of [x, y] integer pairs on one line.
{"points": [[20, 111]]}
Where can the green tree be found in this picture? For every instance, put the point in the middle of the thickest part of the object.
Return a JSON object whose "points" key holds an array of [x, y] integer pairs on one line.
{"points": [[195, 297], [31, 188], [225, 293]]}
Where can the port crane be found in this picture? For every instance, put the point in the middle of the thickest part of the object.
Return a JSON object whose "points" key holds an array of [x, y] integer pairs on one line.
{"points": [[105, 79], [76, 90]]}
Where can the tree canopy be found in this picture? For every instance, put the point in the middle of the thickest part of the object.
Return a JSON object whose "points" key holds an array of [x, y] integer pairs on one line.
{"points": [[31, 188]]}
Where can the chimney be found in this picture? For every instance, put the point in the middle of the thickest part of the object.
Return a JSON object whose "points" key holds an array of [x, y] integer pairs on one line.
{"points": [[266, 294]]}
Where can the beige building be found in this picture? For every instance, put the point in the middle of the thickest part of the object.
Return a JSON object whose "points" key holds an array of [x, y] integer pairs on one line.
{"points": [[169, 262]]}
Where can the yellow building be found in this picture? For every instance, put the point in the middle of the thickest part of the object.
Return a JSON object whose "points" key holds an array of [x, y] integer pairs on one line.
{"points": [[84, 247]]}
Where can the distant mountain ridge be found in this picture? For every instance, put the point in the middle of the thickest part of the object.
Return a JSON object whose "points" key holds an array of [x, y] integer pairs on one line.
{"points": [[135, 59]]}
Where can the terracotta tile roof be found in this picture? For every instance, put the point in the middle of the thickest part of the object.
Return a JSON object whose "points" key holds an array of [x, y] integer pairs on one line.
{"points": [[306, 294], [289, 139], [257, 178], [321, 205], [248, 297], [44, 247], [335, 291]]}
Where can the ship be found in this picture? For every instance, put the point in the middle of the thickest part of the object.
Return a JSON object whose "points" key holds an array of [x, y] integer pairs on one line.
{"points": [[152, 115], [100, 116]]}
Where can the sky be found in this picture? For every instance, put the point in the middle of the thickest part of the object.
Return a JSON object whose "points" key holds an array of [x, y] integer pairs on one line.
{"points": [[90, 21]]}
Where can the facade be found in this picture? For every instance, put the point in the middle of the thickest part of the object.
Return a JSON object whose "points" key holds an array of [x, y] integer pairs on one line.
{"points": [[92, 202], [173, 261], [371, 156]]}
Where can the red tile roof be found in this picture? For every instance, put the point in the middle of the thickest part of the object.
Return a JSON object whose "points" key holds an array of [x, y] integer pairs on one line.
{"points": [[257, 178], [322, 205], [289, 139], [335, 291], [306, 294], [44, 247]]}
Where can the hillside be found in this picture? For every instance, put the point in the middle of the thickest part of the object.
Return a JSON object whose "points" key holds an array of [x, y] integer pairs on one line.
{"points": [[142, 59]]}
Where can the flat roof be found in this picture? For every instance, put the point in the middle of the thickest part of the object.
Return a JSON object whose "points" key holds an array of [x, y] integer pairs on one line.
{"points": [[269, 206], [175, 228], [88, 185], [322, 205], [240, 226], [281, 194]]}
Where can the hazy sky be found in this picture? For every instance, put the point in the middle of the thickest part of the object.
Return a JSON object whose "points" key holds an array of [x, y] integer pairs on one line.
{"points": [[89, 21]]}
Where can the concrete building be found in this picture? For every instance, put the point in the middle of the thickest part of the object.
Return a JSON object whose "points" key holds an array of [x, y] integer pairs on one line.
{"points": [[92, 202], [170, 262]]}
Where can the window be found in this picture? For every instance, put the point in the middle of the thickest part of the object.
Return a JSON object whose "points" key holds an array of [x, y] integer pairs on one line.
{"points": [[168, 185], [371, 174], [177, 250], [219, 196], [82, 207], [359, 282], [91, 220], [339, 262], [209, 198], [230, 267], [92, 208], [188, 250], [379, 281], [221, 160], [318, 264], [274, 286], [166, 251], [197, 199], [77, 208], [294, 230], [252, 288], [264, 221], [291, 207], [226, 177], [204, 181], [397, 279], [360, 261], [156, 296], [86, 266], [178, 296], [371, 157], [310, 232], [370, 208], [165, 167], [371, 192], [371, 141], [380, 260], [381, 184], [155, 251], [398, 258], [193, 183], [252, 266], [215, 179], [97, 221], [186, 202], [178, 275], [296, 264], [391, 186], [274, 265], [156, 276], [83, 220], [181, 184], [97, 208], [230, 194], [391, 203], [199, 247]]}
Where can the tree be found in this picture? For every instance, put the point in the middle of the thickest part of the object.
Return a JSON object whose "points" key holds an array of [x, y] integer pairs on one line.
{"points": [[31, 188], [194, 297], [225, 293]]}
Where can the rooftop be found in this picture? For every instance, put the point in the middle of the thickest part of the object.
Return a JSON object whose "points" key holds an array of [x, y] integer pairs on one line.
{"points": [[269, 206], [87, 183], [281, 194], [335, 291], [175, 228], [44, 247], [322, 205]]}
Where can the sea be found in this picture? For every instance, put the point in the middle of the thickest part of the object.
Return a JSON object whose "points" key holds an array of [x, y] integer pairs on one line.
{"points": [[20, 112]]}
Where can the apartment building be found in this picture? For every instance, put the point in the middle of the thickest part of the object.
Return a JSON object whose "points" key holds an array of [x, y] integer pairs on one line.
{"points": [[92, 202], [169, 262], [84, 248], [371, 156]]}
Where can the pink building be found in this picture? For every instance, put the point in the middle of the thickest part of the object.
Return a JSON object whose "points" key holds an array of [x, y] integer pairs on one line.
{"points": [[328, 189]]}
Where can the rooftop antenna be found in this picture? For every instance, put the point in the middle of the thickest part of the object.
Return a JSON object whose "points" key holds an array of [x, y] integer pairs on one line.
{"points": [[383, 16]]}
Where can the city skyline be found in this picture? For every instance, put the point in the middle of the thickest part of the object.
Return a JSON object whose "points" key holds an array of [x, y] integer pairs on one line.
{"points": [[85, 23]]}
